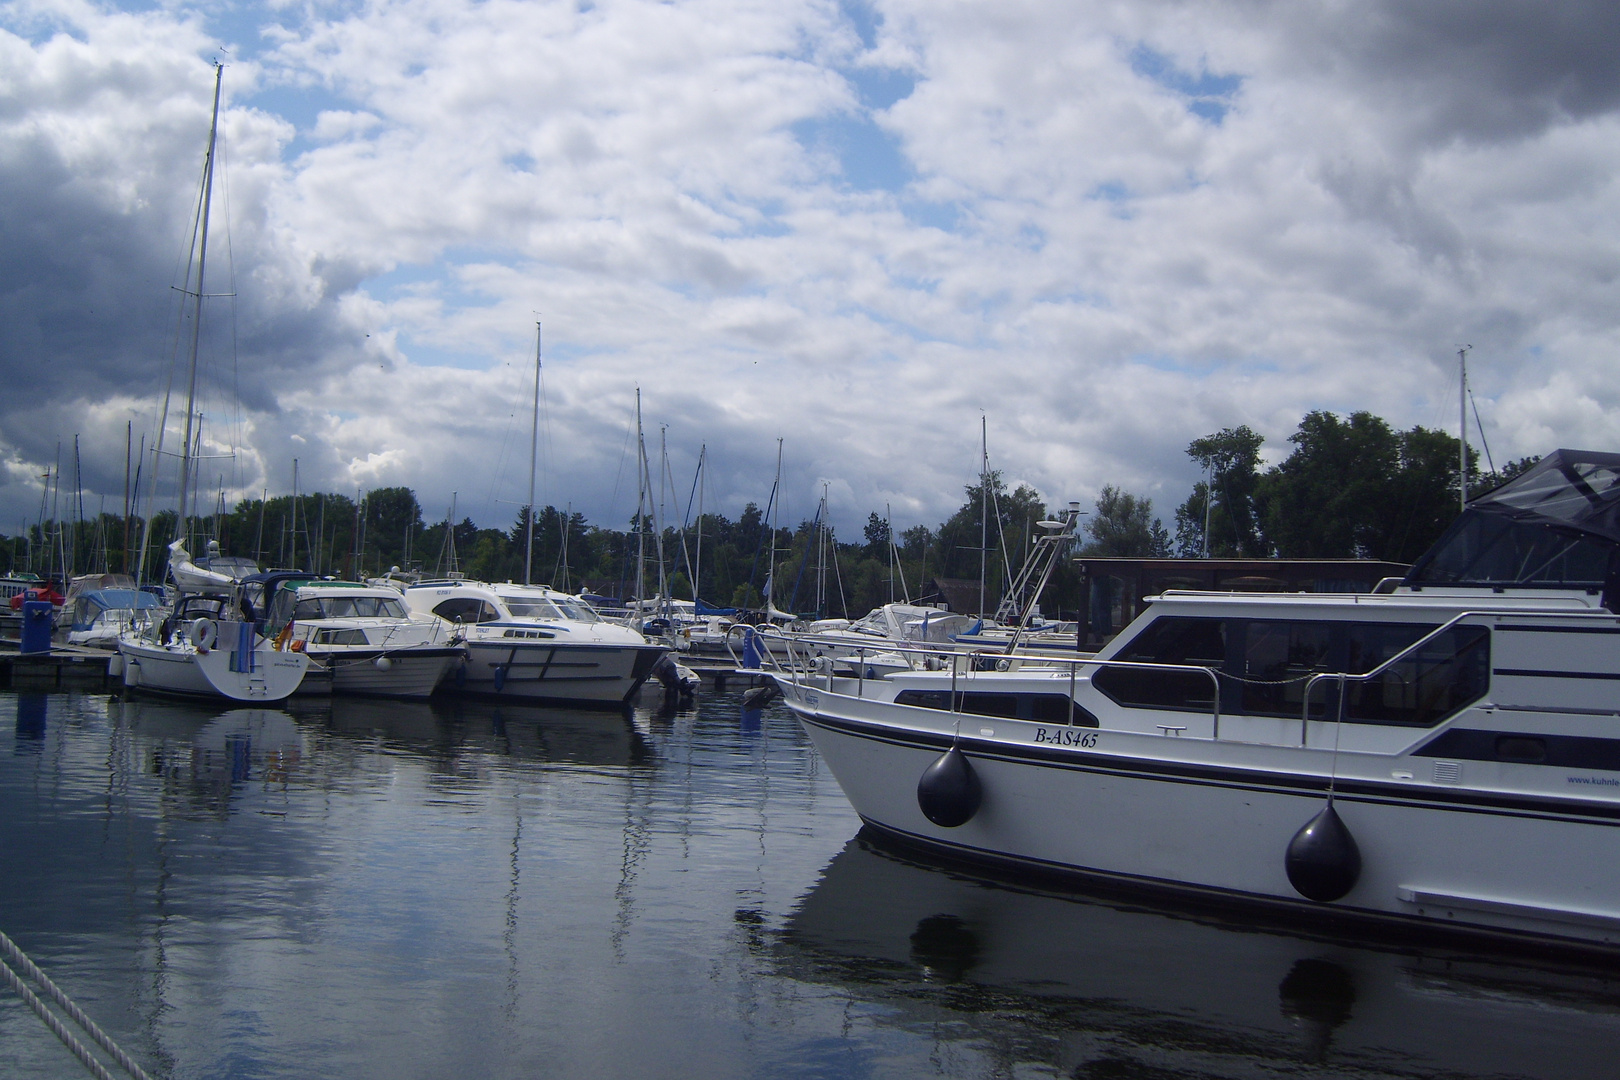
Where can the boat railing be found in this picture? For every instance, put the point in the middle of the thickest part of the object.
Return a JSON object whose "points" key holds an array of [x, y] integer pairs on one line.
{"points": [[961, 663]]}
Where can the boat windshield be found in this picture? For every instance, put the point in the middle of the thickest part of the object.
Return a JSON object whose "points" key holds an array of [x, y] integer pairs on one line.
{"points": [[349, 607], [544, 607], [1488, 549]]}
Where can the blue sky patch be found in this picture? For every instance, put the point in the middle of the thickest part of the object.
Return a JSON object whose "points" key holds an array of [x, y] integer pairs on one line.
{"points": [[881, 87], [1208, 95], [870, 157]]}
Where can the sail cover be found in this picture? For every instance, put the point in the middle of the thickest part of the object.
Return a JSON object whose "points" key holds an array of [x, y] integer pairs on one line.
{"points": [[1555, 526]]}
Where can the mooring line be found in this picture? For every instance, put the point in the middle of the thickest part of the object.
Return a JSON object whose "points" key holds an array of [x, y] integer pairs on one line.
{"points": [[52, 1021]]}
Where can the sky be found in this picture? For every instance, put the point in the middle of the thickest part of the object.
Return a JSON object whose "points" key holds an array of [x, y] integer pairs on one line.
{"points": [[1100, 229]]}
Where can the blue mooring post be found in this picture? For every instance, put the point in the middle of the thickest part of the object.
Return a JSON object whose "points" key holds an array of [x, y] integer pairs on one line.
{"points": [[750, 656], [36, 626]]}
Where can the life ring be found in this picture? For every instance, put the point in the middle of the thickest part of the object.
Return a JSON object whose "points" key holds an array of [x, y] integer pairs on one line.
{"points": [[203, 634]]}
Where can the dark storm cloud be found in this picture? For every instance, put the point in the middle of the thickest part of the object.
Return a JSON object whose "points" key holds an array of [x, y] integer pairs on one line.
{"points": [[1480, 70]]}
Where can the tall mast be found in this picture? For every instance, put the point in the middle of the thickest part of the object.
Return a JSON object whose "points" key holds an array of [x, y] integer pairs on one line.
{"points": [[534, 450], [641, 505], [129, 442], [658, 522], [984, 506], [776, 515], [697, 570], [1462, 427], [196, 321]]}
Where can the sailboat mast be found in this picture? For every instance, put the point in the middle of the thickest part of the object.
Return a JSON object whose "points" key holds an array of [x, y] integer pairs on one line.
{"points": [[984, 507], [534, 450], [658, 522], [196, 321], [697, 570], [776, 514], [641, 505], [1462, 427]]}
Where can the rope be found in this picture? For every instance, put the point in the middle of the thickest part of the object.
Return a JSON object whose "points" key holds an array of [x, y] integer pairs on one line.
{"points": [[60, 1030]]}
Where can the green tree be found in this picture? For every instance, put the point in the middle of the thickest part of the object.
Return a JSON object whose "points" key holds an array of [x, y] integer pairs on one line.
{"points": [[1328, 500], [1123, 526], [1231, 457]]}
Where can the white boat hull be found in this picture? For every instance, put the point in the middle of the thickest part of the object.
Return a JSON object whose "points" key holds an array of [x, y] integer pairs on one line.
{"points": [[556, 673], [182, 670], [399, 673], [1212, 817]]}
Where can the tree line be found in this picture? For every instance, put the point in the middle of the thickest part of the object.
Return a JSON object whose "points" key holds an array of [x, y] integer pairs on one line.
{"points": [[1349, 488]]}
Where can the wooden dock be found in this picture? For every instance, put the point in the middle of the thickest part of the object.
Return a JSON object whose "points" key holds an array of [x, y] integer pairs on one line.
{"points": [[65, 667]]}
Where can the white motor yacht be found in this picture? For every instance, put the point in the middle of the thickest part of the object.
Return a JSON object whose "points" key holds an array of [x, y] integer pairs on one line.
{"points": [[1443, 752], [363, 635], [535, 643]]}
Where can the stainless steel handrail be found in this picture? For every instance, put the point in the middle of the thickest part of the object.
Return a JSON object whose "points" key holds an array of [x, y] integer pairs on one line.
{"points": [[954, 658]]}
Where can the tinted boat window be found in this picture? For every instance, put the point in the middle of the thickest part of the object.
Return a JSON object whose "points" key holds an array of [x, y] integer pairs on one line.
{"points": [[1172, 640], [1275, 662], [1048, 708], [1263, 666], [1449, 673]]}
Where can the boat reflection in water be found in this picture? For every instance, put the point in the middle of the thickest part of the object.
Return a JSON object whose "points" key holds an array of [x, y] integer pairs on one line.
{"points": [[1098, 988], [530, 732]]}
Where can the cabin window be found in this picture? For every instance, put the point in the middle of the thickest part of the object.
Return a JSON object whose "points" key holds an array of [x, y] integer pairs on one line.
{"points": [[1173, 640], [1263, 665], [467, 609], [1045, 708], [341, 637]]}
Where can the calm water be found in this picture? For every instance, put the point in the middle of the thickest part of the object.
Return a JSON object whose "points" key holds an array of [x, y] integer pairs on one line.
{"points": [[369, 889]]}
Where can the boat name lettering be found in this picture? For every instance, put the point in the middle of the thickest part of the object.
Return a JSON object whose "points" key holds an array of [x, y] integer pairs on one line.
{"points": [[1066, 737]]}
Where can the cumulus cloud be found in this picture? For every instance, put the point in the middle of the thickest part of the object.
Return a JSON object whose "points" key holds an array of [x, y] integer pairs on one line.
{"points": [[1110, 229]]}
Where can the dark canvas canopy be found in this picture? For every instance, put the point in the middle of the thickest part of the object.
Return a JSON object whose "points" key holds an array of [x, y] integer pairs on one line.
{"points": [[1555, 526], [1576, 489]]}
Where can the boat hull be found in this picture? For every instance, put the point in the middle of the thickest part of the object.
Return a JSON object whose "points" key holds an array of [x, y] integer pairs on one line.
{"points": [[599, 675], [184, 672], [408, 672], [1130, 809]]}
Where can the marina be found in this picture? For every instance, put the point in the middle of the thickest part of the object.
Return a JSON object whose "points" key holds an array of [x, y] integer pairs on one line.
{"points": [[368, 888]]}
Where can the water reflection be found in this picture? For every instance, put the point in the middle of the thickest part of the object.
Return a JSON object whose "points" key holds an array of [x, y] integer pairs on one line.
{"points": [[1090, 988], [31, 709]]}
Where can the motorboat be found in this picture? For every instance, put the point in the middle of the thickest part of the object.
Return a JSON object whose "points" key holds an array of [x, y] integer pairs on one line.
{"points": [[363, 635], [1440, 752], [534, 643], [866, 641], [97, 616]]}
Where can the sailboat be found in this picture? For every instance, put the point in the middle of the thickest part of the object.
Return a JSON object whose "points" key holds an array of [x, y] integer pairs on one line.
{"points": [[204, 647]]}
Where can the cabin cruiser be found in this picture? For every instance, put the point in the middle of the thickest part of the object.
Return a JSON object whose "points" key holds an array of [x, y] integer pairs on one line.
{"points": [[1442, 752], [362, 635], [207, 645], [866, 641], [97, 616], [534, 643]]}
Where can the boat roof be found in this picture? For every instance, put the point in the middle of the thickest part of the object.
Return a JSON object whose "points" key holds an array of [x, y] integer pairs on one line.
{"points": [[1574, 489], [120, 598], [1425, 603]]}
